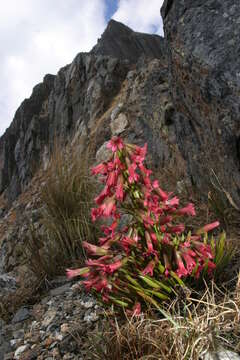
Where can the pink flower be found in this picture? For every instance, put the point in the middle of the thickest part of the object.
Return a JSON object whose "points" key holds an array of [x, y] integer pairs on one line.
{"points": [[102, 196], [112, 178], [144, 170], [154, 238], [163, 195], [188, 210], [115, 144], [177, 229], [139, 154], [165, 220], [101, 284], [110, 268], [207, 228], [95, 213], [173, 202], [110, 230], [99, 169], [93, 249], [119, 188], [136, 309], [181, 271], [204, 250], [149, 268], [211, 266], [108, 207], [98, 262], [166, 239], [126, 242], [76, 272], [97, 282], [133, 176], [190, 262], [150, 249]]}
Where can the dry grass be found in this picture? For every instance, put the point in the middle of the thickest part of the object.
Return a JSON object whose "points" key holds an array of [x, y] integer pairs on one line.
{"points": [[67, 198], [192, 327]]}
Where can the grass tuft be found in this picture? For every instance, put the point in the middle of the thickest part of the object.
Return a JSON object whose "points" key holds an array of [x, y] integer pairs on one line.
{"points": [[203, 322], [67, 197]]}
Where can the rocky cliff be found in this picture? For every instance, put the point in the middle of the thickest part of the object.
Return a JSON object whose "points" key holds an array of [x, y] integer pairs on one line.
{"points": [[180, 95], [71, 102], [203, 46]]}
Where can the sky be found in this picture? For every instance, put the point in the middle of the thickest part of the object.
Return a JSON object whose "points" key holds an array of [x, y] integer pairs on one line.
{"points": [[38, 37]]}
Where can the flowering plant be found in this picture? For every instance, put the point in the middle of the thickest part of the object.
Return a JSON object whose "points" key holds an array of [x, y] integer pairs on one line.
{"points": [[142, 261]]}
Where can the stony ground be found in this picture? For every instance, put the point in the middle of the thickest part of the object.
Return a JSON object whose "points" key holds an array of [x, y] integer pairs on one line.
{"points": [[55, 328]]}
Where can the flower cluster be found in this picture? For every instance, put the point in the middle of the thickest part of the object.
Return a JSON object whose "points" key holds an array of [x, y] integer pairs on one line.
{"points": [[142, 261]]}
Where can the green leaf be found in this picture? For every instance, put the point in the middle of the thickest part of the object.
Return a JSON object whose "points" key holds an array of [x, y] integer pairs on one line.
{"points": [[155, 284]]}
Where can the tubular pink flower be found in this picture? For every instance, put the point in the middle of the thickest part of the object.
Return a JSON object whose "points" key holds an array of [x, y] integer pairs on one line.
{"points": [[187, 210], [95, 213], [110, 268], [73, 272], [149, 268], [181, 271], [102, 196], [101, 284], [144, 170], [126, 243], [165, 220], [190, 262], [163, 195], [178, 229], [173, 202], [136, 311], [166, 239], [204, 250], [119, 188], [154, 238], [108, 207], [98, 262], [112, 178], [207, 228], [140, 153], [99, 169], [133, 176], [115, 144], [211, 266], [93, 249], [110, 230]]}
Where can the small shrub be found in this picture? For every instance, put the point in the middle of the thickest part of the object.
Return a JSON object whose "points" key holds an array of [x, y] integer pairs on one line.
{"points": [[141, 263]]}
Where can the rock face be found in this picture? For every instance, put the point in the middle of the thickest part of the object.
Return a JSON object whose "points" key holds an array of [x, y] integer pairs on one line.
{"points": [[119, 41], [70, 103], [184, 105], [22, 143], [204, 66]]}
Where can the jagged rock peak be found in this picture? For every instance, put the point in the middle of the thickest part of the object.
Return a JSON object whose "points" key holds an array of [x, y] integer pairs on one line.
{"points": [[121, 42]]}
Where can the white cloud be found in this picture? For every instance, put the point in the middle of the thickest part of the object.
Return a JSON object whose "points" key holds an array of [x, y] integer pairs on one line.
{"points": [[39, 37], [140, 15]]}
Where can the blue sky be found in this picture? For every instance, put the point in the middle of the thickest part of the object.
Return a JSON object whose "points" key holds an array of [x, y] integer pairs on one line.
{"points": [[40, 36]]}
